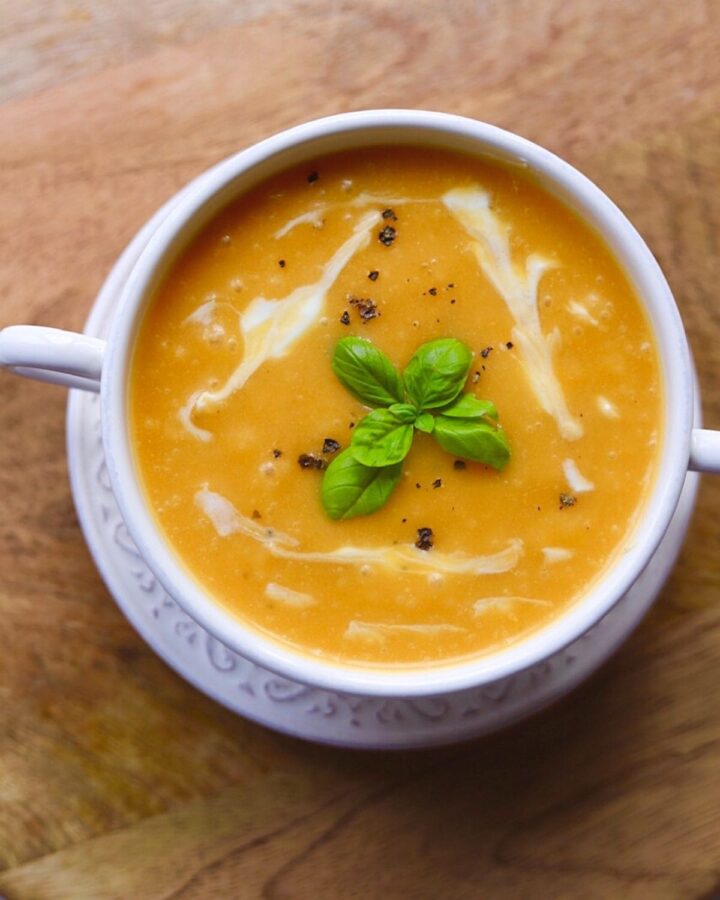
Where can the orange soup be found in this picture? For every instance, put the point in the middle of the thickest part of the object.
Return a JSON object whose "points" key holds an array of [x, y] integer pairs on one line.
{"points": [[237, 415]]}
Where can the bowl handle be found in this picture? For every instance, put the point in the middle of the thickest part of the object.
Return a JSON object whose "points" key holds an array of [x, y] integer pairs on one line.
{"points": [[705, 450], [49, 354]]}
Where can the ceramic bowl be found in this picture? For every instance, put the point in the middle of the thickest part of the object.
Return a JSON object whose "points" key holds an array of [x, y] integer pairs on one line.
{"points": [[88, 363]]}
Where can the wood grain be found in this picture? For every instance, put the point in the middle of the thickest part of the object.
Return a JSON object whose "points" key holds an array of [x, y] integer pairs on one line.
{"points": [[119, 780]]}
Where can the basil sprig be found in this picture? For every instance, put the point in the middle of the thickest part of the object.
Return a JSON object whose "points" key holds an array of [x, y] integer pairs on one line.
{"points": [[426, 397]]}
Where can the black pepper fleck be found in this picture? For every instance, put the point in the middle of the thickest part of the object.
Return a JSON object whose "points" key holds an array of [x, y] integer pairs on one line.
{"points": [[311, 461], [281, 263], [367, 308], [486, 352], [330, 445], [425, 539], [373, 276], [509, 345], [459, 465], [345, 318], [403, 521], [351, 425], [433, 292], [256, 514], [312, 177], [277, 453], [567, 500], [389, 214], [475, 377], [387, 235], [418, 485], [453, 300], [451, 285], [437, 483]]}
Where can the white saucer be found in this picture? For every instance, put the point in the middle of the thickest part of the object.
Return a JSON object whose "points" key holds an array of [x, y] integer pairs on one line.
{"points": [[253, 692]]}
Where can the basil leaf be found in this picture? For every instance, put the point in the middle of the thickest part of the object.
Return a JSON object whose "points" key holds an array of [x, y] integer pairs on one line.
{"points": [[381, 439], [404, 412], [351, 489], [467, 406], [436, 373], [474, 440], [425, 422], [366, 372]]}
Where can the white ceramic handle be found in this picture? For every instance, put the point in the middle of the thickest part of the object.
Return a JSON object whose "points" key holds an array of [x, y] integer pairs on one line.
{"points": [[49, 354], [705, 450]]}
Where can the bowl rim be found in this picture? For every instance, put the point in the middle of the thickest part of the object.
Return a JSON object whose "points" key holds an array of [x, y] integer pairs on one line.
{"points": [[209, 192]]}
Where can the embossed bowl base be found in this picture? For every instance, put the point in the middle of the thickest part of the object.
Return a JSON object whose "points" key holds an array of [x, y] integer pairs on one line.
{"points": [[306, 712]]}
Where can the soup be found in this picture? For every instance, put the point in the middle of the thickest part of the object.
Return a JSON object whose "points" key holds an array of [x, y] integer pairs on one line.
{"points": [[236, 413]]}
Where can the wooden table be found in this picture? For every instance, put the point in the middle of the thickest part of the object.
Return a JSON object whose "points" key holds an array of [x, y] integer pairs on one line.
{"points": [[119, 780]]}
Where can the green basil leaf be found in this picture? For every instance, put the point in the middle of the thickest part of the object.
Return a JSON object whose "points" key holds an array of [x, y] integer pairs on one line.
{"points": [[467, 406], [436, 373], [425, 422], [351, 489], [474, 440], [404, 412], [381, 439], [366, 372]]}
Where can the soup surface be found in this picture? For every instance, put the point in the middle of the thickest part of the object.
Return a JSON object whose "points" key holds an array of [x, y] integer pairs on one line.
{"points": [[232, 387]]}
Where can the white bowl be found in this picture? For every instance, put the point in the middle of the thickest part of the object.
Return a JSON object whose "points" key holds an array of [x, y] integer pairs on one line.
{"points": [[81, 361]]}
